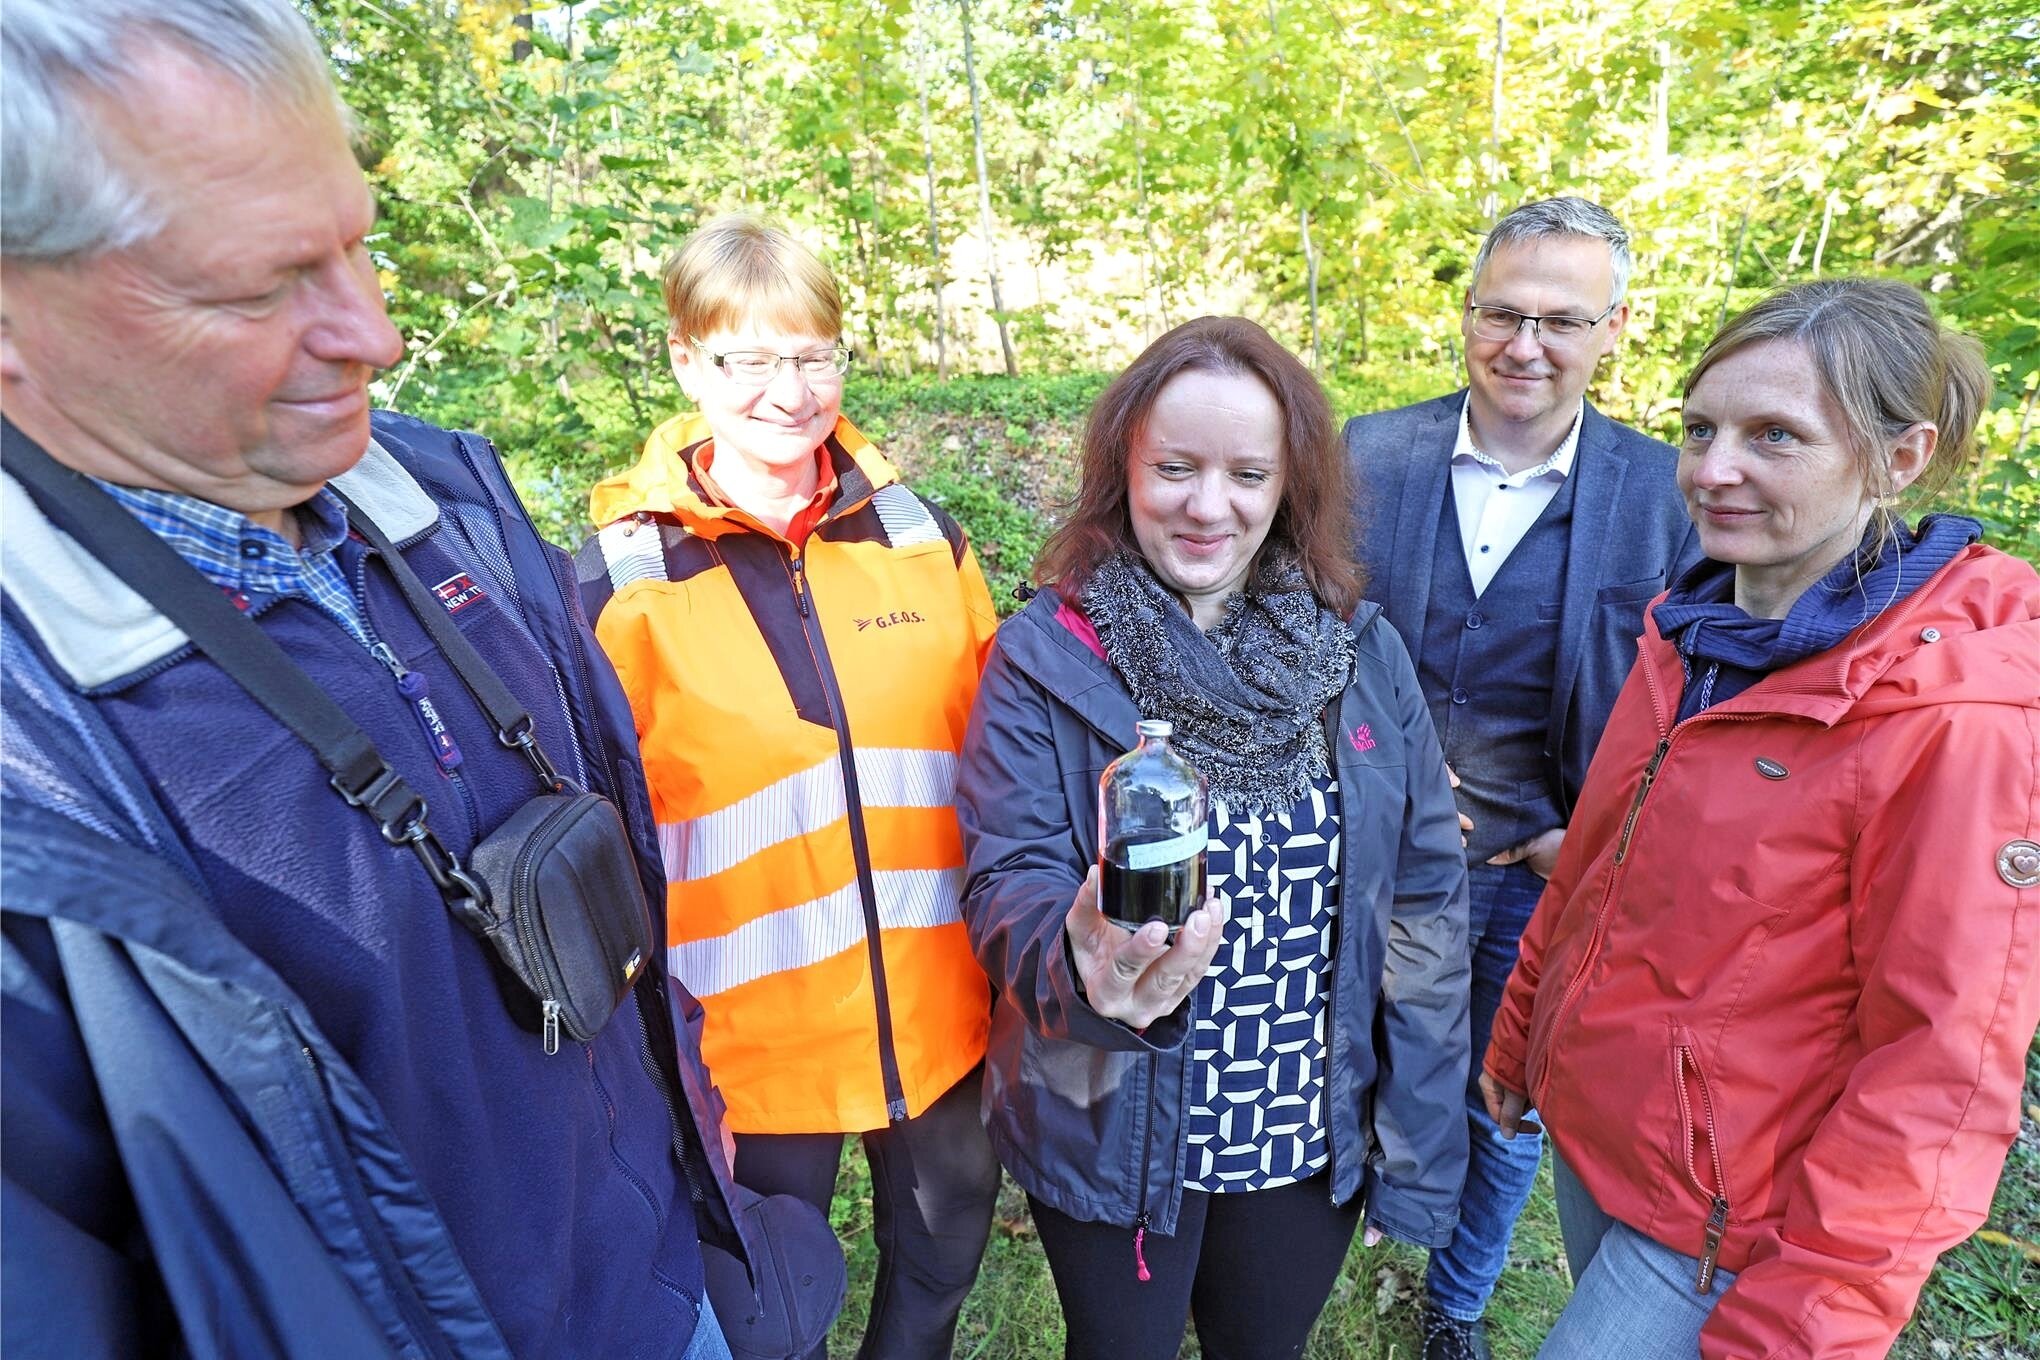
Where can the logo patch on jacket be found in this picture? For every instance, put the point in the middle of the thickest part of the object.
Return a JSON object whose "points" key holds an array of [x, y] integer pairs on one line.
{"points": [[1362, 737], [892, 620], [459, 591]]}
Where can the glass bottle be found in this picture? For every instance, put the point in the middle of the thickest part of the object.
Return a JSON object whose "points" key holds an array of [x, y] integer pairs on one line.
{"points": [[1153, 825]]}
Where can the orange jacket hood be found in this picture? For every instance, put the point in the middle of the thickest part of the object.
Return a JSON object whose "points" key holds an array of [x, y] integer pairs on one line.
{"points": [[661, 482]]}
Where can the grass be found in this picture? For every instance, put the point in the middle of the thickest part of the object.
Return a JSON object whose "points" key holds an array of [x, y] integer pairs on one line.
{"points": [[1982, 1302]]}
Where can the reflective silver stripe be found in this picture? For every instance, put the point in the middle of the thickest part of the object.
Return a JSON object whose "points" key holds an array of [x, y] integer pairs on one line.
{"points": [[902, 777], [909, 898], [801, 803], [794, 806], [813, 931], [906, 520], [633, 552]]}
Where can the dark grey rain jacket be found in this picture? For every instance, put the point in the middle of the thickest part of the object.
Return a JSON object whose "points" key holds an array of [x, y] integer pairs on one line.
{"points": [[1089, 1116]]}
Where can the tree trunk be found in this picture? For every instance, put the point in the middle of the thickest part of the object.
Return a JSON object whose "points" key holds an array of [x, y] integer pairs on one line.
{"points": [[1310, 265], [742, 124], [1734, 264], [867, 252], [864, 273], [934, 222], [1148, 283], [2025, 423], [1661, 112], [977, 141], [1494, 196]]}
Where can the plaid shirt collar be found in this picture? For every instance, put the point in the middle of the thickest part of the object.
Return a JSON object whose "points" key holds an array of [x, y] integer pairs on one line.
{"points": [[247, 560]]}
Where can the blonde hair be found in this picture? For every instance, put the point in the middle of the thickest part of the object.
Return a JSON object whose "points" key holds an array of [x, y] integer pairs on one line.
{"points": [[1887, 363], [741, 269]]}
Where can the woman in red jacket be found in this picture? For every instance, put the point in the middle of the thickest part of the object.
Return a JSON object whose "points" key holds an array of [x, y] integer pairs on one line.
{"points": [[1775, 1001]]}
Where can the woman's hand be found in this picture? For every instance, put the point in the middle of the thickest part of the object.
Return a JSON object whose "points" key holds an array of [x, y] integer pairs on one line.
{"points": [[1506, 1108], [1136, 976]]}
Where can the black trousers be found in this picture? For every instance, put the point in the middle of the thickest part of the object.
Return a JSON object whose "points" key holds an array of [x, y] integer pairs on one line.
{"points": [[1252, 1269], [933, 1185]]}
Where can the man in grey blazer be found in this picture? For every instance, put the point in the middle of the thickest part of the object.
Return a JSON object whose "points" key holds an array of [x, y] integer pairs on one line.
{"points": [[1514, 535]]}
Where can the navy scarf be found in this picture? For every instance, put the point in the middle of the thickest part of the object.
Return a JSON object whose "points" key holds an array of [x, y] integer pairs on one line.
{"points": [[1725, 650]]}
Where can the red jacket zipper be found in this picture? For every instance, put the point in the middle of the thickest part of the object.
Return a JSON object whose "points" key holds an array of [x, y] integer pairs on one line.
{"points": [[1597, 937], [1717, 1217]]}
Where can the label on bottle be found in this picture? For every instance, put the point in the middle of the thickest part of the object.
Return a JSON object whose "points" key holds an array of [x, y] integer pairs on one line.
{"points": [[1154, 854]]}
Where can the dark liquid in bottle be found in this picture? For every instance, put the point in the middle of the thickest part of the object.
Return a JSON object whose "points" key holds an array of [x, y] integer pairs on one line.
{"points": [[1133, 897]]}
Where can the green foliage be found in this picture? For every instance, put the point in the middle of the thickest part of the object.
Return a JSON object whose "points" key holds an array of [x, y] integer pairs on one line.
{"points": [[1150, 160], [1023, 404], [1986, 1293], [1003, 532]]}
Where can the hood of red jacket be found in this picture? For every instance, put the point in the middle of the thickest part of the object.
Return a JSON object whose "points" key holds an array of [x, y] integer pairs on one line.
{"points": [[1969, 634]]}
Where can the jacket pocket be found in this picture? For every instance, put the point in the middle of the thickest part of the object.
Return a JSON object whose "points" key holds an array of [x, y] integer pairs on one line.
{"points": [[1700, 1142]]}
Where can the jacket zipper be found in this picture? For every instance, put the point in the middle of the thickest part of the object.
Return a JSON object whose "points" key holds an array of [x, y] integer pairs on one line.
{"points": [[1717, 1217], [1147, 1147], [424, 1328], [413, 686], [1657, 758], [1332, 982], [527, 927], [1602, 915], [418, 703], [860, 846], [1605, 912]]}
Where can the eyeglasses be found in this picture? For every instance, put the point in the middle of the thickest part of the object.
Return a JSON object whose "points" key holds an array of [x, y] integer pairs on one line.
{"points": [[1559, 332], [756, 367]]}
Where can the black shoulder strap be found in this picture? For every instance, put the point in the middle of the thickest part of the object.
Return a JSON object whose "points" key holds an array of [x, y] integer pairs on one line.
{"points": [[513, 724], [248, 655]]}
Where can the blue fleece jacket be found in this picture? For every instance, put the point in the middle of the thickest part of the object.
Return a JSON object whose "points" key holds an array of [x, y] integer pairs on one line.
{"points": [[263, 1094]]}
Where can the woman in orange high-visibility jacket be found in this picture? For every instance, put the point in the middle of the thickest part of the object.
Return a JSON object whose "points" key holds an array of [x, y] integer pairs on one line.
{"points": [[800, 636]]}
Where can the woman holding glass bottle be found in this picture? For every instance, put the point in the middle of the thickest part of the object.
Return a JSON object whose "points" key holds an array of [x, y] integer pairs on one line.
{"points": [[1198, 1123]]}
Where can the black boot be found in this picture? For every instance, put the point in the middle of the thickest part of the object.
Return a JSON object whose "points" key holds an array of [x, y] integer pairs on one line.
{"points": [[1447, 1338]]}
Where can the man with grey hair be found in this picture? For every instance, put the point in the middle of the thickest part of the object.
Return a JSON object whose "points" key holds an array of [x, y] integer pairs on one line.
{"points": [[267, 1089], [1514, 535]]}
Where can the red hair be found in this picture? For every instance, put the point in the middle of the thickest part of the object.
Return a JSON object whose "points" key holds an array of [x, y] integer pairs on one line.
{"points": [[1315, 520]]}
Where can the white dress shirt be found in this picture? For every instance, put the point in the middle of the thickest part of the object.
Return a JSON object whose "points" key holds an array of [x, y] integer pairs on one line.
{"points": [[1497, 507]]}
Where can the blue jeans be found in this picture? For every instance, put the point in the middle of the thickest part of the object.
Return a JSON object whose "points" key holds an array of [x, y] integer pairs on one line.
{"points": [[709, 1342], [1632, 1297], [1499, 1172]]}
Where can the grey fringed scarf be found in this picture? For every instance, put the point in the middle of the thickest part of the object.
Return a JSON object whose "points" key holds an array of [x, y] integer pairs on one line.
{"points": [[1247, 697]]}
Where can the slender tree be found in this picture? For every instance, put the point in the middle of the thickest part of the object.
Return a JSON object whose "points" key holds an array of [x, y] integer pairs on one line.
{"points": [[928, 172], [977, 141]]}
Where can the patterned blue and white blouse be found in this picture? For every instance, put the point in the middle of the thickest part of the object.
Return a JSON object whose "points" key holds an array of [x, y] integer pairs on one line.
{"points": [[1257, 1116]]}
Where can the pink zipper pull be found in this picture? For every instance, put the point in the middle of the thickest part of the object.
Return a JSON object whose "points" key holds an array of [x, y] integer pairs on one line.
{"points": [[1140, 1269]]}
